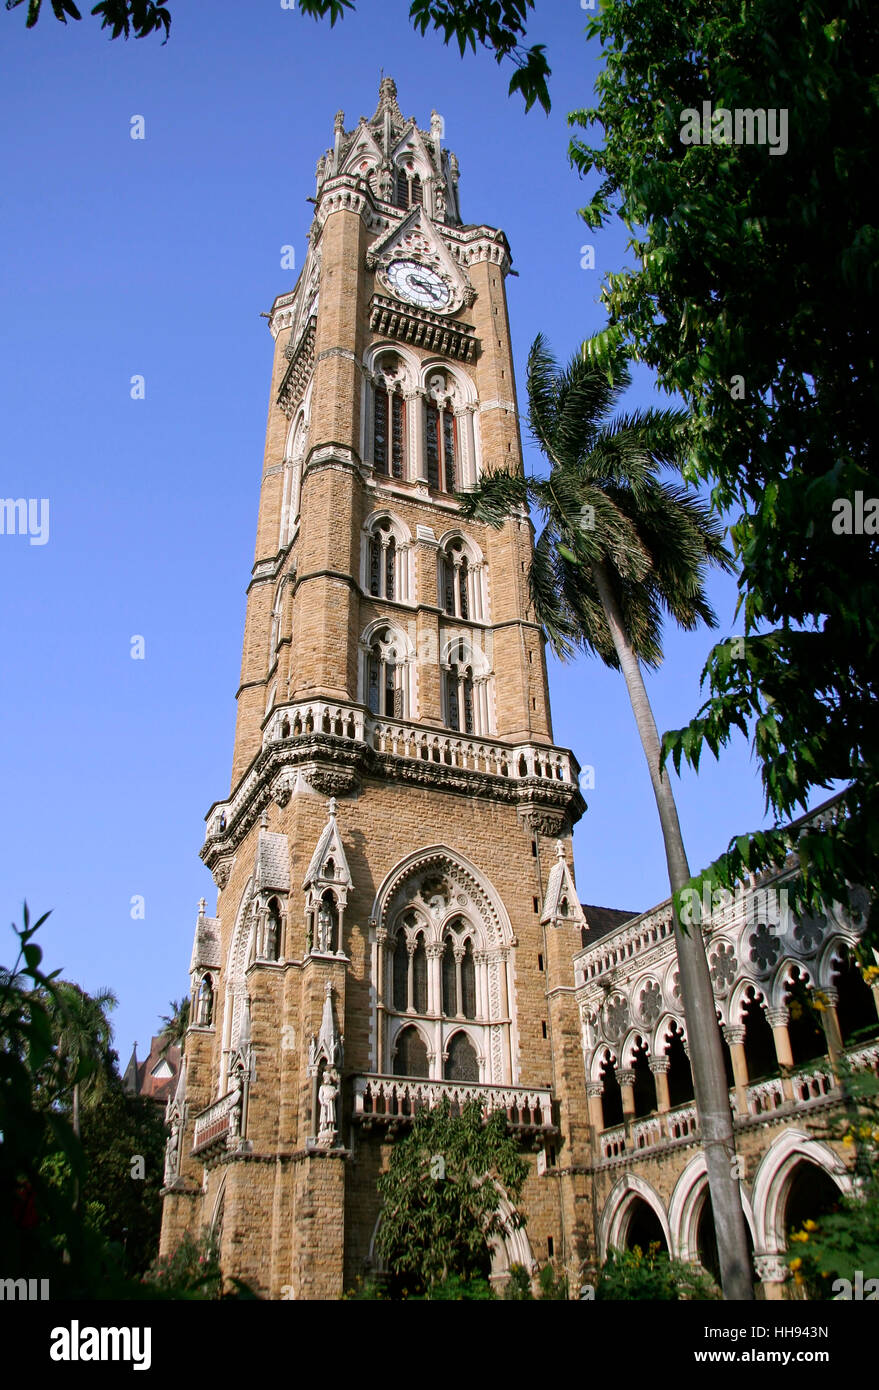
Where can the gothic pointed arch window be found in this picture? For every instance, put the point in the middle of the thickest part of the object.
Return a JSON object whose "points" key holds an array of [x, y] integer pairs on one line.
{"points": [[408, 188], [462, 1060], [410, 1054], [386, 559], [460, 579], [385, 673], [387, 431]]}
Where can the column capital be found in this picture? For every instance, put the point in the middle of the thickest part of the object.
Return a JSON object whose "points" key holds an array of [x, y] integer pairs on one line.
{"points": [[778, 1018], [626, 1077], [594, 1088], [659, 1065], [734, 1033]]}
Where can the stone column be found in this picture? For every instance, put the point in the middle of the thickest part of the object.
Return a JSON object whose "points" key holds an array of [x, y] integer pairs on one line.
{"points": [[830, 1024], [735, 1037], [778, 1022], [381, 937], [772, 1273], [594, 1091], [627, 1087], [660, 1067]]}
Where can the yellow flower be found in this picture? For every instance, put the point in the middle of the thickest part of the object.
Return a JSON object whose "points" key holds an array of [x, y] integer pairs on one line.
{"points": [[849, 1139], [796, 1264], [800, 1236], [810, 1225]]}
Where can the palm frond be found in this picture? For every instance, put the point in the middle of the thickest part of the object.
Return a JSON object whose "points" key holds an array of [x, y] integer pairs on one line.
{"points": [[494, 498]]}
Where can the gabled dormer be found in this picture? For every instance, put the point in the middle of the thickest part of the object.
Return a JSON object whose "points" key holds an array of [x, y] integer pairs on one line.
{"points": [[561, 906]]}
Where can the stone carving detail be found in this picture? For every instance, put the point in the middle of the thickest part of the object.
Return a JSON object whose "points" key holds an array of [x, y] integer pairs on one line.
{"points": [[172, 1153], [616, 1016], [327, 1095], [544, 823], [771, 1269], [723, 968], [221, 874], [650, 1003], [332, 783], [809, 932], [765, 948]]}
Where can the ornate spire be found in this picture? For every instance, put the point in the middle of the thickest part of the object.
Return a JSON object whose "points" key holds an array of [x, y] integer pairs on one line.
{"points": [[387, 101]]}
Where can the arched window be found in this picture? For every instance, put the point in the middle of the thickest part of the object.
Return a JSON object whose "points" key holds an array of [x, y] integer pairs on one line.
{"points": [[408, 189], [462, 1063], [460, 581], [389, 433], [410, 1054], [382, 561], [384, 679]]}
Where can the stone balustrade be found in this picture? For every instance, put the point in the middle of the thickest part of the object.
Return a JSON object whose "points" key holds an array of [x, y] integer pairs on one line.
{"points": [[811, 1086], [218, 1124], [401, 739], [394, 1098]]}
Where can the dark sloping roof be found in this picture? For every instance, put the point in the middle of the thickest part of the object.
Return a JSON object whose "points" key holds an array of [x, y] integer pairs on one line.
{"points": [[601, 921]]}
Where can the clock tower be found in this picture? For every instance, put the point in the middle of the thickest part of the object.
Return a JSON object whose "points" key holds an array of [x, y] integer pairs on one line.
{"points": [[396, 913]]}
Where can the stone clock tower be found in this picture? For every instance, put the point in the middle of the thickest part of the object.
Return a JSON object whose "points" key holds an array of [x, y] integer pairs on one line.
{"points": [[396, 914]]}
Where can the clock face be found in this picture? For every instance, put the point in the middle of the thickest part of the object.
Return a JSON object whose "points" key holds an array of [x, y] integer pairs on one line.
{"points": [[419, 285]]}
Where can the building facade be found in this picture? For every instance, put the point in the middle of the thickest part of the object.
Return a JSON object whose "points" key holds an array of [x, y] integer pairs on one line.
{"points": [[397, 918]]}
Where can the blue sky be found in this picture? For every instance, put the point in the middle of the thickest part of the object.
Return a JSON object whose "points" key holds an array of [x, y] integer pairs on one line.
{"points": [[155, 257]]}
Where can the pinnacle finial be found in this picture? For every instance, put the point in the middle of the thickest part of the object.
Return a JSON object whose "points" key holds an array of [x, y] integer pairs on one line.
{"points": [[264, 819], [202, 906], [559, 849], [331, 808]]}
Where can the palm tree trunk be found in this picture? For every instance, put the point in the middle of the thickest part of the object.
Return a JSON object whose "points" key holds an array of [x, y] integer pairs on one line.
{"points": [[706, 1054]]}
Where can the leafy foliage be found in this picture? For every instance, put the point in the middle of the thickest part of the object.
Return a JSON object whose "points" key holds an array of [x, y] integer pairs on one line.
{"points": [[499, 26], [652, 1276], [192, 1271], [605, 504], [754, 297], [122, 17], [842, 1242], [441, 1197], [174, 1025]]}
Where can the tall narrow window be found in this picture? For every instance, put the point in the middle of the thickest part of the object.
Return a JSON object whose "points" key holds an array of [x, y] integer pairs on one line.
{"points": [[380, 433], [450, 981], [441, 434], [375, 567], [390, 566], [408, 190], [401, 974], [468, 983], [398, 436], [389, 433], [419, 977], [459, 699]]}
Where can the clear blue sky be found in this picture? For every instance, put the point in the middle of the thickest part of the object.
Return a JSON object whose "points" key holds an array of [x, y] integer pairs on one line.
{"points": [[156, 257]]}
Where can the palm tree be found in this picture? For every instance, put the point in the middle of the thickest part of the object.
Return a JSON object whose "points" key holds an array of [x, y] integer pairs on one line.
{"points": [[174, 1025], [621, 548], [83, 1037]]}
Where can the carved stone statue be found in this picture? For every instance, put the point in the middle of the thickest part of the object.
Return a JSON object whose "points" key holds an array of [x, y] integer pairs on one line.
{"points": [[324, 928], [235, 1110], [329, 1090], [172, 1152]]}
